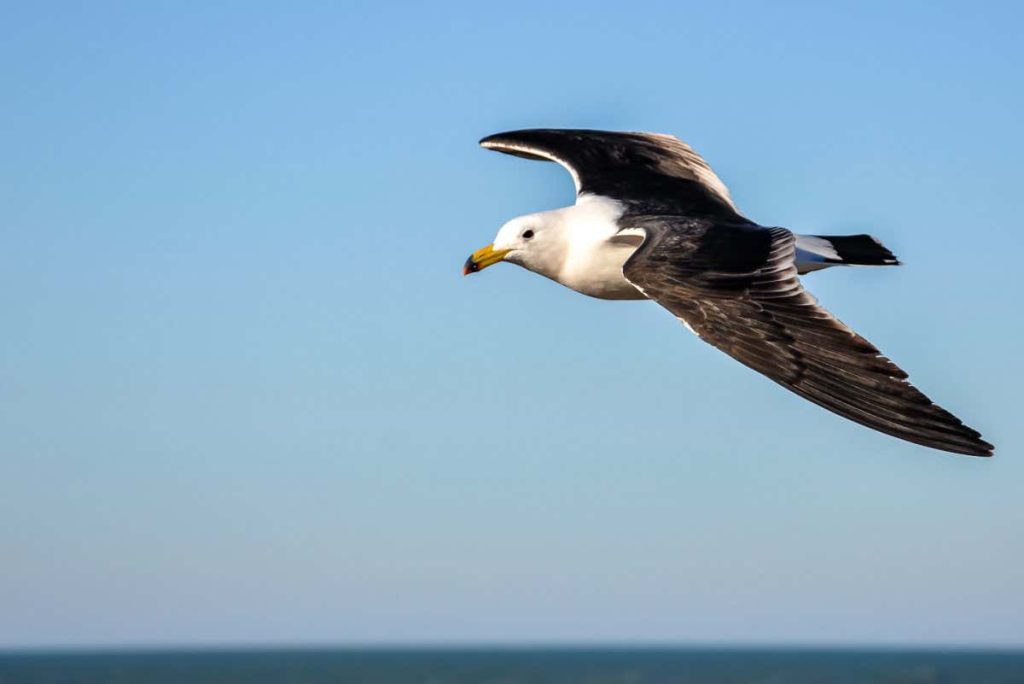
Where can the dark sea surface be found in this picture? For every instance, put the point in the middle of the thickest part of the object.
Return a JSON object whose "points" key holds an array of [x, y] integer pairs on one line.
{"points": [[512, 666]]}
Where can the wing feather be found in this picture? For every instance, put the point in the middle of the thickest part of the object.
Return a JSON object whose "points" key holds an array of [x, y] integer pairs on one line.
{"points": [[762, 317], [646, 171]]}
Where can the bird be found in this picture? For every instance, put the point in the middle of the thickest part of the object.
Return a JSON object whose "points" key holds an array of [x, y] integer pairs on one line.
{"points": [[653, 221]]}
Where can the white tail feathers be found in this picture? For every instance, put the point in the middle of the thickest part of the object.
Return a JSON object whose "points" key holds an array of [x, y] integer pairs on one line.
{"points": [[815, 252]]}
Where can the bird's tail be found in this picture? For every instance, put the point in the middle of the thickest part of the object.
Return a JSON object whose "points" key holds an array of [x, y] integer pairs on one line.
{"points": [[814, 252]]}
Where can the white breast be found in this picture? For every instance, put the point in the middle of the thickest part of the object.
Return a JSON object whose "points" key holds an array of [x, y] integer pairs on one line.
{"points": [[593, 265]]}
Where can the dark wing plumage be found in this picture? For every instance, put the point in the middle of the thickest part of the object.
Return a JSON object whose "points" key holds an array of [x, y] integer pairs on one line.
{"points": [[736, 286], [648, 172]]}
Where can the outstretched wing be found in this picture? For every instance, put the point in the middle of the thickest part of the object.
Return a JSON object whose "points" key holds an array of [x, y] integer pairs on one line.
{"points": [[736, 286], [648, 172]]}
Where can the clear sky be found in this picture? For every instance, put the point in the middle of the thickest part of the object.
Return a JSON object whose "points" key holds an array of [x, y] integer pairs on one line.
{"points": [[246, 395]]}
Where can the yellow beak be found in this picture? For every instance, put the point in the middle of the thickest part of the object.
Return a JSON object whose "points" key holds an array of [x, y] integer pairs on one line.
{"points": [[482, 258]]}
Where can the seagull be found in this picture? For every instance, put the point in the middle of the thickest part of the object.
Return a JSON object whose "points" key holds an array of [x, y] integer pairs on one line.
{"points": [[653, 221]]}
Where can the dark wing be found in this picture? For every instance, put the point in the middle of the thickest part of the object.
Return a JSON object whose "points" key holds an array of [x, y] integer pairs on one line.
{"points": [[648, 172], [737, 288]]}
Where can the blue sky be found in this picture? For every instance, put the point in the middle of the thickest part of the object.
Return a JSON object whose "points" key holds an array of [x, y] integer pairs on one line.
{"points": [[246, 395]]}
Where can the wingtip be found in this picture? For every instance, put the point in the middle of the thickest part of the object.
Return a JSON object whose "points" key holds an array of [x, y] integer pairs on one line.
{"points": [[976, 447], [519, 144], [495, 139], [981, 447]]}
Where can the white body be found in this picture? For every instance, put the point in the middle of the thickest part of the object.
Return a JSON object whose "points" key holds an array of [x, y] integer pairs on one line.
{"points": [[583, 248]]}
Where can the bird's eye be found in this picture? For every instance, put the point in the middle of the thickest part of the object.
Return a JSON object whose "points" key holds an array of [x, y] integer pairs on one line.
{"points": [[527, 234]]}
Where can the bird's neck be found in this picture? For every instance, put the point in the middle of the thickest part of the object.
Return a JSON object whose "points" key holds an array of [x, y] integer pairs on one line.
{"points": [[593, 263]]}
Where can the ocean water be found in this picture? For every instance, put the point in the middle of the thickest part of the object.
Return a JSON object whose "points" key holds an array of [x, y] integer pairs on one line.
{"points": [[514, 666]]}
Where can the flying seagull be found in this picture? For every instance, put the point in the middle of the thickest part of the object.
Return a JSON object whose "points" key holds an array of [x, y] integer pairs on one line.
{"points": [[653, 221]]}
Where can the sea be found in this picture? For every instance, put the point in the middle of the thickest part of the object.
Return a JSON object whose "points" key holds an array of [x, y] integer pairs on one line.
{"points": [[514, 666]]}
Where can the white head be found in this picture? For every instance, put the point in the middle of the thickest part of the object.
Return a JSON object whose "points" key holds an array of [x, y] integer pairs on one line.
{"points": [[536, 242]]}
